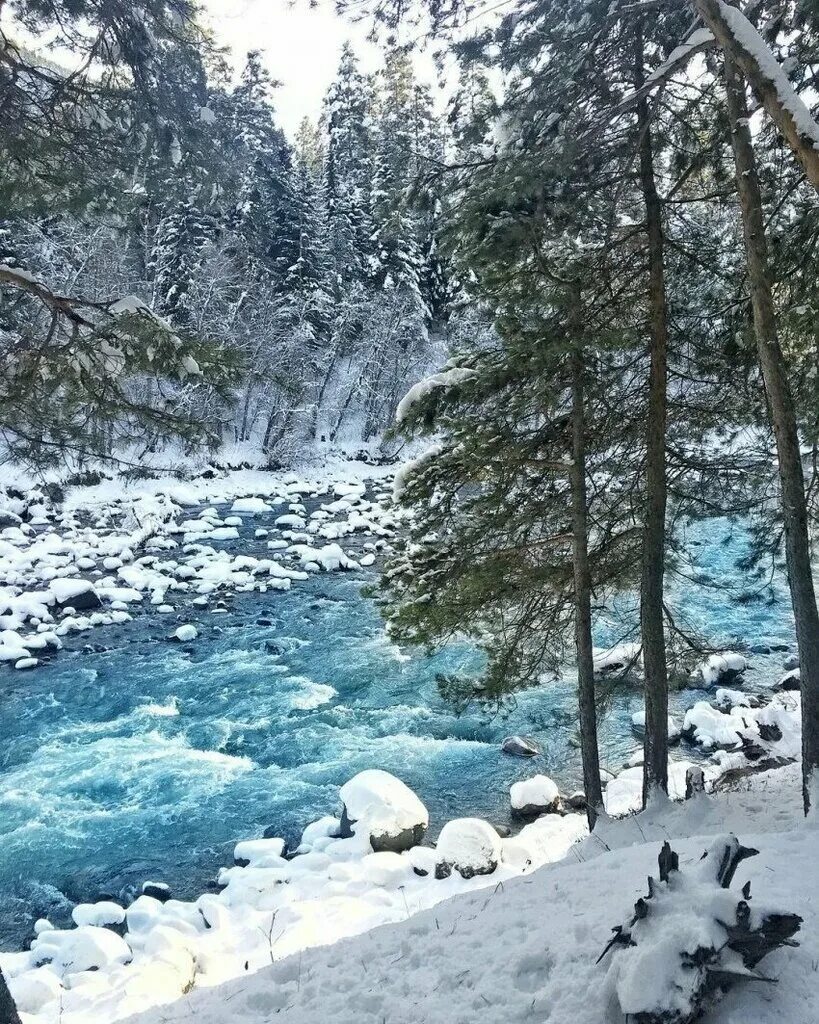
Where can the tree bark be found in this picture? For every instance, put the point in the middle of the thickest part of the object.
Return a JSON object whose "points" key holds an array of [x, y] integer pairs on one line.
{"points": [[712, 13], [8, 1011], [783, 416], [652, 624], [583, 585]]}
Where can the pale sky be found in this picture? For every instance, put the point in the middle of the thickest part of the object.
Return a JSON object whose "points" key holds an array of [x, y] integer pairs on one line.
{"points": [[301, 47]]}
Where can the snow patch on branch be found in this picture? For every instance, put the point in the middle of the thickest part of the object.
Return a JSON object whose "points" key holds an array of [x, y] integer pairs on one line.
{"points": [[404, 472], [444, 379], [755, 46]]}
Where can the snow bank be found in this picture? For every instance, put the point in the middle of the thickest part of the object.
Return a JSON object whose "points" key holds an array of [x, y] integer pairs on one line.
{"points": [[269, 905], [527, 950]]}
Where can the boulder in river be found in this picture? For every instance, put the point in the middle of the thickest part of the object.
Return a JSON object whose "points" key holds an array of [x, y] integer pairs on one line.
{"points": [[532, 797], [469, 846], [520, 746], [74, 593], [392, 814], [157, 890], [790, 681]]}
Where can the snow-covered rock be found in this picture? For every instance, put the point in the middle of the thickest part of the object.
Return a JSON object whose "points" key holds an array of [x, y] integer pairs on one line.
{"points": [[185, 633], [74, 593], [532, 797], [394, 817], [617, 658], [709, 727], [35, 989], [638, 721], [250, 506], [722, 668], [469, 846], [85, 948], [100, 914]]}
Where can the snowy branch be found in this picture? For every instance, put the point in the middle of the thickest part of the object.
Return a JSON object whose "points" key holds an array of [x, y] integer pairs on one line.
{"points": [[738, 37]]}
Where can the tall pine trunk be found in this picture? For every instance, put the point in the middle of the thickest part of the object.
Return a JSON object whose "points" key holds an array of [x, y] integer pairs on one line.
{"points": [[783, 416], [583, 586], [652, 624]]}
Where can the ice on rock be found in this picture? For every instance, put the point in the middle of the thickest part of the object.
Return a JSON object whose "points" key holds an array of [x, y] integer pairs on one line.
{"points": [[535, 796], [392, 814], [469, 846], [185, 633]]}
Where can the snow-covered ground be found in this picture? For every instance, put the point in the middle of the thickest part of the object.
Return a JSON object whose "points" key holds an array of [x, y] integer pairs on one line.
{"points": [[526, 949]]}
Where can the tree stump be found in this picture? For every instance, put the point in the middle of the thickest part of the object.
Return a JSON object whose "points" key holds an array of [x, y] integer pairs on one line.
{"points": [[689, 940]]}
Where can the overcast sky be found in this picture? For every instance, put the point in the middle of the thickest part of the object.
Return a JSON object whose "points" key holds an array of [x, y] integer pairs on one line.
{"points": [[301, 46]]}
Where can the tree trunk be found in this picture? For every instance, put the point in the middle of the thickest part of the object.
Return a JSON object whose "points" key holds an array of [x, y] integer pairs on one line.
{"points": [[582, 588], [8, 1011], [715, 16], [652, 625], [783, 416]]}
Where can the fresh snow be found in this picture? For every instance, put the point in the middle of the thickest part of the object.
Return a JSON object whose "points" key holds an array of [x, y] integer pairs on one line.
{"points": [[539, 791], [382, 803], [526, 950]]}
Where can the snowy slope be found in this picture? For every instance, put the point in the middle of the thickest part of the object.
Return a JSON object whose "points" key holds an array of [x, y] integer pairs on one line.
{"points": [[525, 950]]}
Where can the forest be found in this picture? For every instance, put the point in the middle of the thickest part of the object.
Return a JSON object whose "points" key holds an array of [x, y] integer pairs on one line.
{"points": [[472, 427]]}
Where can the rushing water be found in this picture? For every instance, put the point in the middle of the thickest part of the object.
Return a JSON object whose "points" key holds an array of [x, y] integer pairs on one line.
{"points": [[148, 760]]}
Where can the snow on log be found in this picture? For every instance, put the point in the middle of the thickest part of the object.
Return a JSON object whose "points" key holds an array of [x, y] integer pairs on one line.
{"points": [[690, 939]]}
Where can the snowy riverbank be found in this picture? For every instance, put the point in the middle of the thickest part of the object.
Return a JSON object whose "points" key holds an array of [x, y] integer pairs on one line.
{"points": [[162, 551], [547, 930]]}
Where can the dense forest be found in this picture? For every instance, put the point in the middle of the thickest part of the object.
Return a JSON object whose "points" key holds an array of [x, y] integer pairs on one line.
{"points": [[303, 274]]}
